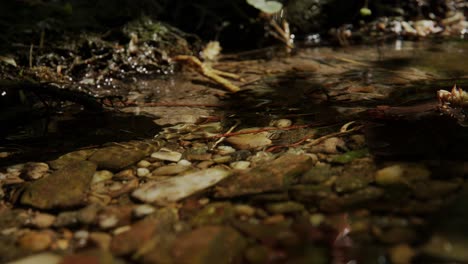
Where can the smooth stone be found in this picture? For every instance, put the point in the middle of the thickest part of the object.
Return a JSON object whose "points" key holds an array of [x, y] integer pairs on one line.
{"points": [[102, 175], [240, 165], [143, 164], [281, 123], [70, 158], [142, 172], [64, 188], [168, 155], [350, 183], [184, 162], [250, 140], [115, 158], [225, 150], [36, 240], [42, 220], [329, 146], [172, 169], [179, 187], [143, 210], [269, 176], [389, 175]]}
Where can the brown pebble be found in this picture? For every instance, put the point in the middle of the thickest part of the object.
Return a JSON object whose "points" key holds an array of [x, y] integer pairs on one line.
{"points": [[36, 240]]}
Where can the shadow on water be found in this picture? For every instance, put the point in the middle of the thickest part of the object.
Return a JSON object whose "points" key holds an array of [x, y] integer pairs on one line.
{"points": [[292, 95], [50, 136]]}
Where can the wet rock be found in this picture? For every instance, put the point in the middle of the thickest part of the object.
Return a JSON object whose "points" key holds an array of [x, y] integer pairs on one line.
{"points": [[332, 145], [221, 159], [179, 187], [142, 232], [250, 140], [111, 217], [117, 157], [240, 155], [285, 207], [42, 258], [214, 214], [320, 173], [142, 172], [389, 175], [127, 174], [209, 244], [71, 158], [350, 183], [36, 241], [351, 200], [310, 194], [42, 220], [168, 155], [401, 173], [64, 188], [281, 123], [143, 164], [184, 162], [172, 169], [434, 188], [102, 175], [86, 215], [143, 210], [198, 152], [244, 210], [34, 170], [270, 176], [240, 165], [225, 150]]}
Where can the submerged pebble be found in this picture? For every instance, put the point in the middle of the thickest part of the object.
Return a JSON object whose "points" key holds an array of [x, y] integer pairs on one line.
{"points": [[34, 170], [142, 172], [168, 155], [252, 140], [143, 210], [102, 175], [179, 187], [389, 175], [143, 164], [281, 123], [240, 165]]}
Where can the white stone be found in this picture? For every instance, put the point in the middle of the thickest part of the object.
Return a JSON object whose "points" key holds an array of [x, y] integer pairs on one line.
{"points": [[166, 154], [142, 172], [176, 188], [240, 165], [143, 164], [225, 150], [184, 162], [143, 210], [102, 175]]}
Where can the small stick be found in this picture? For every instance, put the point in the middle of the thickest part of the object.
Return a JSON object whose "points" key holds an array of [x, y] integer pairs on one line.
{"points": [[207, 72]]}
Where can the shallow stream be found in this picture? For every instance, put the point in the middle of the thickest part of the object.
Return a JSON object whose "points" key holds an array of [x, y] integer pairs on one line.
{"points": [[326, 155]]}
